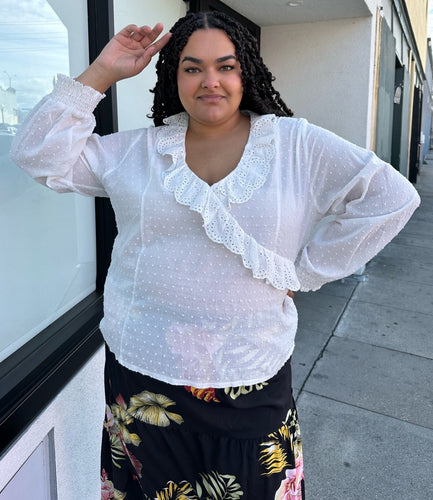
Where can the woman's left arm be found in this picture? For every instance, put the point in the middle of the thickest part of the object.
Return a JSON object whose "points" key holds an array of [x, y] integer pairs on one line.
{"points": [[360, 201]]}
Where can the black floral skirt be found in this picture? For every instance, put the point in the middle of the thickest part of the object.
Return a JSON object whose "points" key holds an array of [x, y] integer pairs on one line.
{"points": [[162, 441]]}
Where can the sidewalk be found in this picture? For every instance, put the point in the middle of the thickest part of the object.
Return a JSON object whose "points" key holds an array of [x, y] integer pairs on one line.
{"points": [[363, 372]]}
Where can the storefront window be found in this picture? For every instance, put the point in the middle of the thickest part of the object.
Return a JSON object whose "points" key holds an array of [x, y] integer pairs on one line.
{"points": [[47, 242]]}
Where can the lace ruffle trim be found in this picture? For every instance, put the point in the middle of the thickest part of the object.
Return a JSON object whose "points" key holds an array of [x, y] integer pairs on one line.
{"points": [[220, 226], [251, 172]]}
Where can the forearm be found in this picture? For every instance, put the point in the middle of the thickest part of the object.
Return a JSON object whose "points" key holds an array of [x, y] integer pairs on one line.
{"points": [[96, 77], [346, 241]]}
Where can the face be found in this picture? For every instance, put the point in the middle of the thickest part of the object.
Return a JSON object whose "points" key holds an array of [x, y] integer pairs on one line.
{"points": [[209, 78]]}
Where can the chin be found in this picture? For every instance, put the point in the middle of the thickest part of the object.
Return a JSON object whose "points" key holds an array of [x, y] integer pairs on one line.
{"points": [[212, 116]]}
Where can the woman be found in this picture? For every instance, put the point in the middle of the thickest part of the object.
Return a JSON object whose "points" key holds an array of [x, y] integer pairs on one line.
{"points": [[223, 208]]}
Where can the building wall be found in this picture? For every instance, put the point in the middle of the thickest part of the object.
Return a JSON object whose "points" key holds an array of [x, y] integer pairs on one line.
{"points": [[401, 46], [392, 12], [418, 17], [406, 121], [385, 96], [427, 104], [324, 72], [75, 417], [133, 96]]}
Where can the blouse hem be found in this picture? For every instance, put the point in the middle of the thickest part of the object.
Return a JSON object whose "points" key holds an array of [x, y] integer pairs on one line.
{"points": [[203, 385]]}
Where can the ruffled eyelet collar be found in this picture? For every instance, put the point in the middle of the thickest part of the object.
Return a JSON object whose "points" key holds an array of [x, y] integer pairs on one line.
{"points": [[239, 185]]}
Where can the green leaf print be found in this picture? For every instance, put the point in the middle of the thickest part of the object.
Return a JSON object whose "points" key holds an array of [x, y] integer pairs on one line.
{"points": [[218, 487], [151, 409], [117, 451]]}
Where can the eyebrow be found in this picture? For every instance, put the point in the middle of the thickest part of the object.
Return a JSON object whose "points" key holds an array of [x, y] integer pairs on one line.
{"points": [[200, 61]]}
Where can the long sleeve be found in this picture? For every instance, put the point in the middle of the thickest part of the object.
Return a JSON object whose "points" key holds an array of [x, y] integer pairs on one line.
{"points": [[55, 144], [356, 203]]}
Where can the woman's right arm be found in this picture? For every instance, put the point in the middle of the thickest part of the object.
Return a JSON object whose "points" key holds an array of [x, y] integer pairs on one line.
{"points": [[55, 141], [55, 144]]}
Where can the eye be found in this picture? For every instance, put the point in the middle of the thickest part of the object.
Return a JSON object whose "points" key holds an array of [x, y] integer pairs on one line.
{"points": [[227, 67], [191, 70]]}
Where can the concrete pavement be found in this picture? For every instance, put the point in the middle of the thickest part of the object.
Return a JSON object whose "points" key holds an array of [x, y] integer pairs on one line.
{"points": [[363, 372]]}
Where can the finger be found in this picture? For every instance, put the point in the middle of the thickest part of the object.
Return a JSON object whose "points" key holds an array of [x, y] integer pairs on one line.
{"points": [[153, 49], [143, 32], [146, 35], [154, 33], [130, 30], [159, 44]]}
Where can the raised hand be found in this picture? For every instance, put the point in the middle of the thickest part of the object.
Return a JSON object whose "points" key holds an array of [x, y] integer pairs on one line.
{"points": [[125, 55]]}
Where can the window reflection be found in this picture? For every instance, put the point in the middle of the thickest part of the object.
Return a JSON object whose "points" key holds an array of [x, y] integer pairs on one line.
{"points": [[47, 240]]}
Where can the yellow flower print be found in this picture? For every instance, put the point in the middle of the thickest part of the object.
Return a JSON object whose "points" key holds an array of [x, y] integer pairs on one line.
{"points": [[273, 455], [235, 392], [209, 486], [120, 419], [151, 408], [173, 491], [117, 418]]}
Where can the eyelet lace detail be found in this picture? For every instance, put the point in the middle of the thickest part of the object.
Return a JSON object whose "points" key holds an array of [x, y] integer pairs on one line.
{"points": [[212, 202]]}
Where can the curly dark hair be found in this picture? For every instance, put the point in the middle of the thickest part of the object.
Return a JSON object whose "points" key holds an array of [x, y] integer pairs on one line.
{"points": [[259, 94]]}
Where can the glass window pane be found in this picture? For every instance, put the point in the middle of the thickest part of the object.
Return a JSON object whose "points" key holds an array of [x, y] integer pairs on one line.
{"points": [[47, 240]]}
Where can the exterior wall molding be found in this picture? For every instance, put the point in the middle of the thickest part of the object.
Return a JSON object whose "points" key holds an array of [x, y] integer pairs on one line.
{"points": [[400, 9], [379, 21]]}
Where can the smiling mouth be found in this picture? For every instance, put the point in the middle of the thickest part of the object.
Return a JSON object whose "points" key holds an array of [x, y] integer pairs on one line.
{"points": [[211, 98]]}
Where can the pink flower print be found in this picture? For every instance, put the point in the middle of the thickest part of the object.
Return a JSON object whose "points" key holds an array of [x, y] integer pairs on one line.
{"points": [[110, 418], [108, 491], [291, 488], [107, 487]]}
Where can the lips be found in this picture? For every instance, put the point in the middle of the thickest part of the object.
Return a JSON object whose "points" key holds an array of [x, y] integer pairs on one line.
{"points": [[210, 98]]}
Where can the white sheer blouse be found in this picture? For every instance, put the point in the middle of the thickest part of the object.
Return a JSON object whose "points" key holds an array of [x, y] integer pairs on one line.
{"points": [[196, 291]]}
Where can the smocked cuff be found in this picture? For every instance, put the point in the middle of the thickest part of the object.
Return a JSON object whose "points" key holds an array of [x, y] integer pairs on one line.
{"points": [[82, 98]]}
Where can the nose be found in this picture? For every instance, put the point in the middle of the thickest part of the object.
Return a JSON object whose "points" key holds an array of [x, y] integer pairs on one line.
{"points": [[210, 80]]}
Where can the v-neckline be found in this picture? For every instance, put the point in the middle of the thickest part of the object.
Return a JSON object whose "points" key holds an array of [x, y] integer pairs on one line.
{"points": [[238, 185], [214, 185]]}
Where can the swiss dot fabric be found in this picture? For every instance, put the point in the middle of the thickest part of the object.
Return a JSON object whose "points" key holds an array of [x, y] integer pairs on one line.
{"points": [[196, 291]]}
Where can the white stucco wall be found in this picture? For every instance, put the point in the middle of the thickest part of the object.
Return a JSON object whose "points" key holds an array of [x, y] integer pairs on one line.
{"points": [[133, 96], [324, 72], [75, 416]]}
